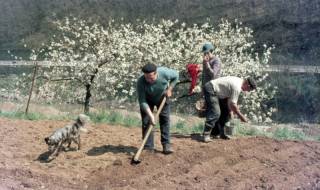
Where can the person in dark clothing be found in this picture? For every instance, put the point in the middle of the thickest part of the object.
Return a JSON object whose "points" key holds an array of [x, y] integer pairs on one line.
{"points": [[152, 86], [211, 66]]}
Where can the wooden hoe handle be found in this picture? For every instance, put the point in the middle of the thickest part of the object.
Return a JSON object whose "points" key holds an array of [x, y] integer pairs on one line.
{"points": [[137, 155]]}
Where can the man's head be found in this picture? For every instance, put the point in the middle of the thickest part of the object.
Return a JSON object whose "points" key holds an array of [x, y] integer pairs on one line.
{"points": [[249, 84], [150, 72], [207, 49]]}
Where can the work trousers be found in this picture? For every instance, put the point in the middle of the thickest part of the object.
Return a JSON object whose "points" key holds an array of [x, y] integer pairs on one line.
{"points": [[164, 120], [217, 112]]}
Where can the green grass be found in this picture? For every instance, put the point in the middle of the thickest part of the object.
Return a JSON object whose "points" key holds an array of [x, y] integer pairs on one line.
{"points": [[115, 118], [284, 133], [182, 128], [22, 115], [241, 130]]}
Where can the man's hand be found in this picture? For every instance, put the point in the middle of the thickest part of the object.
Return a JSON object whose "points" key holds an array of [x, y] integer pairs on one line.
{"points": [[231, 114], [206, 58], [244, 119], [152, 119], [151, 116], [234, 108], [169, 92]]}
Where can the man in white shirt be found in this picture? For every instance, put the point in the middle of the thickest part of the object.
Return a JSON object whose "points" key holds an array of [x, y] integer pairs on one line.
{"points": [[228, 88]]}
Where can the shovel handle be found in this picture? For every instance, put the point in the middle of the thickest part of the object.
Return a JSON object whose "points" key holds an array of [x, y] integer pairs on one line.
{"points": [[137, 155]]}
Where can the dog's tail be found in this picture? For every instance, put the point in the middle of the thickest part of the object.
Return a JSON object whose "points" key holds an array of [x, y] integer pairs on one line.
{"points": [[47, 140]]}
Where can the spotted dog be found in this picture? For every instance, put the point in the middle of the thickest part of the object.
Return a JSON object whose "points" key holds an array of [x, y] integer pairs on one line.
{"points": [[65, 135]]}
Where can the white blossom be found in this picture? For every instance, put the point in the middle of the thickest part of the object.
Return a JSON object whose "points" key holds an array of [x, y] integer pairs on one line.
{"points": [[115, 54]]}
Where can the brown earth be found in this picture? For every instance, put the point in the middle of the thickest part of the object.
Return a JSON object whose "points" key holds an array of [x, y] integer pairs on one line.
{"points": [[104, 161]]}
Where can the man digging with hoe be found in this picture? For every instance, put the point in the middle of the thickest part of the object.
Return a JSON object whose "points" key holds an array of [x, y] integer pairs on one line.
{"points": [[154, 86]]}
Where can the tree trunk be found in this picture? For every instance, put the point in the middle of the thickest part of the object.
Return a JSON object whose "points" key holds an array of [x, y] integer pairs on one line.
{"points": [[33, 80], [87, 99], [88, 89]]}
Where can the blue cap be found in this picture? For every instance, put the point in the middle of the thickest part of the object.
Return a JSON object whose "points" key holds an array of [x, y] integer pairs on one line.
{"points": [[207, 47]]}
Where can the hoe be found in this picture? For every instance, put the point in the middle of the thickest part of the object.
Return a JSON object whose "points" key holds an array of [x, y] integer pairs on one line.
{"points": [[135, 159]]}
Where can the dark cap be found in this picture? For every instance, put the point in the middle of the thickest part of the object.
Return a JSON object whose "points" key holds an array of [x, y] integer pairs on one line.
{"points": [[149, 68], [252, 83]]}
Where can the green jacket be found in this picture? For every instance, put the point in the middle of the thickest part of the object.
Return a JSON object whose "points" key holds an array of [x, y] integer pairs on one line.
{"points": [[152, 93]]}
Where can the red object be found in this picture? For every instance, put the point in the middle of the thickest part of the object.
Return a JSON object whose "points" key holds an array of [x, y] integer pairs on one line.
{"points": [[193, 70]]}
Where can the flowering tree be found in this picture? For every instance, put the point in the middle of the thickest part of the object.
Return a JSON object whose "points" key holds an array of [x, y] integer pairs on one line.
{"points": [[234, 45], [90, 60], [84, 57], [235, 48]]}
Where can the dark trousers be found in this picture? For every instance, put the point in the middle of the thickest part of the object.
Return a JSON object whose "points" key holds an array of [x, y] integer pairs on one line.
{"points": [[164, 119], [217, 113], [223, 119]]}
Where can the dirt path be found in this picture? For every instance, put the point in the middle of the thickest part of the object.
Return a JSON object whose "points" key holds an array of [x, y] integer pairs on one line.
{"points": [[104, 161]]}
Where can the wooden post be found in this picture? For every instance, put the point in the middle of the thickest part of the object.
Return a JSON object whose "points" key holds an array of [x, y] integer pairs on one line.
{"points": [[31, 89]]}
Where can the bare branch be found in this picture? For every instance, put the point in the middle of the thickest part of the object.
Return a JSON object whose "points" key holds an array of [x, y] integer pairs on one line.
{"points": [[60, 79]]}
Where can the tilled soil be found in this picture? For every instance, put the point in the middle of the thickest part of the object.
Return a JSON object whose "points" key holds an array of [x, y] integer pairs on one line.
{"points": [[104, 161]]}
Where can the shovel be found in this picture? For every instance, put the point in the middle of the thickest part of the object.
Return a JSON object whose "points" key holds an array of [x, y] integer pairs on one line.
{"points": [[135, 159]]}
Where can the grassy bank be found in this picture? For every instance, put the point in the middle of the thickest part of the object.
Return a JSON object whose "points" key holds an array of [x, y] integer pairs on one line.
{"points": [[179, 127]]}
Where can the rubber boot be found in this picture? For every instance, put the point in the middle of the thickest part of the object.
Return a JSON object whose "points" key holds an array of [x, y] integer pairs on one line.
{"points": [[167, 149], [206, 134], [222, 134]]}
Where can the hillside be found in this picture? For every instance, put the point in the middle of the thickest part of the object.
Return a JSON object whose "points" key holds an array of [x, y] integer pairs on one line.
{"points": [[293, 26]]}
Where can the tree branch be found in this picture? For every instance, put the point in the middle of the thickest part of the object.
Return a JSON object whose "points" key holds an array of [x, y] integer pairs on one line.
{"points": [[60, 79]]}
